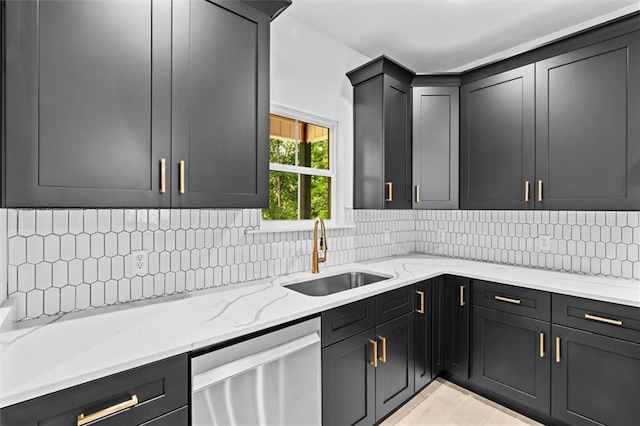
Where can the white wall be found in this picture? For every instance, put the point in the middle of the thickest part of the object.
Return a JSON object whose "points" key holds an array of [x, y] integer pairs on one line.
{"points": [[308, 73]]}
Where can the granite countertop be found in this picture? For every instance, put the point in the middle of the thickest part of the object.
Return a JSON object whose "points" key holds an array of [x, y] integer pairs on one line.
{"points": [[43, 356]]}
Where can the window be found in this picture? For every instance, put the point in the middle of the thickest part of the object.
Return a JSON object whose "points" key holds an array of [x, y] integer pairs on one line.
{"points": [[301, 171]]}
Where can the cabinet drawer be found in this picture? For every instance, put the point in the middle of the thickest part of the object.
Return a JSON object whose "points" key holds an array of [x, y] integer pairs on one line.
{"points": [[160, 388], [610, 319], [348, 320], [395, 303], [514, 300]]}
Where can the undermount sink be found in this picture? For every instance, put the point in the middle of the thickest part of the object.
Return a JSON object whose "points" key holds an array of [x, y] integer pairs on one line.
{"points": [[324, 286]]}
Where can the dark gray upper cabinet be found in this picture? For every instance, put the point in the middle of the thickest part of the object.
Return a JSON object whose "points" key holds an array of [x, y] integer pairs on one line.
{"points": [[382, 143], [88, 108], [587, 137], [497, 141], [220, 127], [435, 147], [99, 95]]}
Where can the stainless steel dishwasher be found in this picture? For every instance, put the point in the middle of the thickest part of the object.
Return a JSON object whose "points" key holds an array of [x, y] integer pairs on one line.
{"points": [[272, 379]]}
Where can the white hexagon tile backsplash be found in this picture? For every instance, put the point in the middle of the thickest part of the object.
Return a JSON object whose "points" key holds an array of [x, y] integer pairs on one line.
{"points": [[61, 261]]}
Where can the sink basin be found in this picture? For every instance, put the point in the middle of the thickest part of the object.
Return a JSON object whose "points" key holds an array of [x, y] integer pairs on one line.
{"points": [[335, 283]]}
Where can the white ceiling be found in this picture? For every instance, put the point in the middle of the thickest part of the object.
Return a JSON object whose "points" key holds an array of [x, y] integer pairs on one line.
{"points": [[451, 35]]}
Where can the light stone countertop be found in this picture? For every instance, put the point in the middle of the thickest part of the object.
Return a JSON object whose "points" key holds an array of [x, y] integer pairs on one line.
{"points": [[43, 356]]}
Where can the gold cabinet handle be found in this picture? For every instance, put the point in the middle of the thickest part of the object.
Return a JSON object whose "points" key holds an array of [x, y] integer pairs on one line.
{"points": [[163, 175], [541, 345], [506, 299], [602, 319], [540, 191], [527, 189], [383, 340], [82, 419], [421, 308], [390, 191], [181, 181], [557, 349], [461, 295], [374, 363], [417, 193]]}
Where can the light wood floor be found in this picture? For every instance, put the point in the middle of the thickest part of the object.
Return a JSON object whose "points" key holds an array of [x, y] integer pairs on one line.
{"points": [[444, 403]]}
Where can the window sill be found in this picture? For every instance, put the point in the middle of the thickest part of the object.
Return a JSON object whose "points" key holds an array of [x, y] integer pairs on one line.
{"points": [[295, 228]]}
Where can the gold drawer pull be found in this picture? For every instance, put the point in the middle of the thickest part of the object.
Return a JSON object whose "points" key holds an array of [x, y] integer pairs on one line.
{"points": [[540, 191], [541, 345], [383, 340], [82, 419], [506, 299], [527, 189], [374, 363], [181, 182], [163, 176], [557, 349], [421, 308], [390, 188], [602, 319], [461, 295]]}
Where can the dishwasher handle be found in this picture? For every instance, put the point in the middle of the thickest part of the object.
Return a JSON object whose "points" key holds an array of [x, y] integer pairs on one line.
{"points": [[226, 371]]}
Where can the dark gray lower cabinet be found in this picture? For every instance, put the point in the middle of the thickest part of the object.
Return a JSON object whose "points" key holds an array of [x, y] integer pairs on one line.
{"points": [[511, 357], [437, 326], [423, 333], [161, 390], [595, 379], [348, 381], [394, 374], [456, 310]]}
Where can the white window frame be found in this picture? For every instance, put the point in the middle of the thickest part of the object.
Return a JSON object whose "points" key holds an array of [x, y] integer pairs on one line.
{"points": [[332, 125]]}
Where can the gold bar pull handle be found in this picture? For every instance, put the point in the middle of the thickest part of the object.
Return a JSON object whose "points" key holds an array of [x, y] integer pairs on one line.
{"points": [[163, 175], [181, 179], [541, 345], [461, 295], [540, 191], [82, 419], [527, 190], [506, 299], [557, 349], [374, 363], [421, 308], [383, 340], [390, 192], [417, 193], [602, 319]]}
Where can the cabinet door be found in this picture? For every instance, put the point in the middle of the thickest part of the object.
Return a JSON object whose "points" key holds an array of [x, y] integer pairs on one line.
{"points": [[395, 371], [220, 104], [368, 155], [456, 326], [88, 103], [595, 379], [512, 357], [497, 125], [588, 141], [348, 381], [435, 147], [397, 144], [437, 326], [423, 334]]}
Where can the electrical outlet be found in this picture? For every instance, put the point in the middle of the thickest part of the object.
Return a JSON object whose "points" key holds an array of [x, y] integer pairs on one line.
{"points": [[442, 236], [387, 236], [140, 262], [544, 243]]}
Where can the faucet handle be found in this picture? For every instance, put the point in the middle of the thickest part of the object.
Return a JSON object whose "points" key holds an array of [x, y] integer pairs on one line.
{"points": [[323, 243]]}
